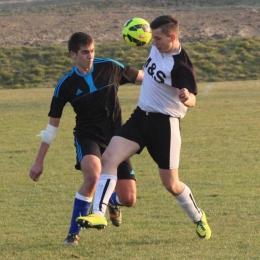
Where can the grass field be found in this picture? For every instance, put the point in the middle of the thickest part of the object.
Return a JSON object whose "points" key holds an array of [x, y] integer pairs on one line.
{"points": [[219, 161]]}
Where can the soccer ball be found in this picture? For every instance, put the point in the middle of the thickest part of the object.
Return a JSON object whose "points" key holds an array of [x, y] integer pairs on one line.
{"points": [[136, 32]]}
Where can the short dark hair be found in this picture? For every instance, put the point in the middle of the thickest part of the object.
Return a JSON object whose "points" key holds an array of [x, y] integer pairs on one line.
{"points": [[79, 39], [167, 23]]}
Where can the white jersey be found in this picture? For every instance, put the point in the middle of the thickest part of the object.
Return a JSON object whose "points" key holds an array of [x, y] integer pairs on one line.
{"points": [[164, 75]]}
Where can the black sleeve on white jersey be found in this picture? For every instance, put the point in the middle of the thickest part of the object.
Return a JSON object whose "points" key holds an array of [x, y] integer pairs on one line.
{"points": [[129, 76], [56, 107], [184, 77]]}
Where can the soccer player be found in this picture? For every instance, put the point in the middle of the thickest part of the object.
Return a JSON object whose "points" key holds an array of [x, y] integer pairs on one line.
{"points": [[91, 88], [168, 89]]}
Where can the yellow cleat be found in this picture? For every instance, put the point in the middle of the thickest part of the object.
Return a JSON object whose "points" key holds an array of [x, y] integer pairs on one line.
{"points": [[92, 221], [202, 227]]}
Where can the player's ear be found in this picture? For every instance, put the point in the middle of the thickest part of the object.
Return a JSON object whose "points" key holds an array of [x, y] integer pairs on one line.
{"points": [[173, 37], [72, 54]]}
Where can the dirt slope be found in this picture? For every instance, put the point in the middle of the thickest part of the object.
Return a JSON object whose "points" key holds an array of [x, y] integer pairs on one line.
{"points": [[105, 25]]}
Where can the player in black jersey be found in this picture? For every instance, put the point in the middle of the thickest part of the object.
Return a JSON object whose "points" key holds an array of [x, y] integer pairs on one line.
{"points": [[91, 88], [168, 89]]}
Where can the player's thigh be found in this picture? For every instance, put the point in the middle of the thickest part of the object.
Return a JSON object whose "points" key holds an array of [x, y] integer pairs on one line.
{"points": [[165, 142], [118, 150], [88, 154]]}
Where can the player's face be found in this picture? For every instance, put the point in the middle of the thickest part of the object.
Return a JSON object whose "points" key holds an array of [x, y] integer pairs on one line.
{"points": [[162, 42], [84, 58]]}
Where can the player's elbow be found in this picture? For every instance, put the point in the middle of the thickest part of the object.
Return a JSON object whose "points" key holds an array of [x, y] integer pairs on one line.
{"points": [[191, 101]]}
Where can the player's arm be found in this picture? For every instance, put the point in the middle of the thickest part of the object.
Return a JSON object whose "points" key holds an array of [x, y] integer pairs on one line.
{"points": [[140, 76], [186, 82], [131, 75], [187, 98], [48, 136]]}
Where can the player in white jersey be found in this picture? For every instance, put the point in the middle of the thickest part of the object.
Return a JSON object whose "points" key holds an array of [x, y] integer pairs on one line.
{"points": [[168, 89]]}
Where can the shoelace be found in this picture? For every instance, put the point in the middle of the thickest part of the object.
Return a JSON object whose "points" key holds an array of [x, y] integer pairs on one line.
{"points": [[116, 211], [200, 224]]}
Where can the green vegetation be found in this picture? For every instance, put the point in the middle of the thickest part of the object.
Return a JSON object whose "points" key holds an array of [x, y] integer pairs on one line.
{"points": [[29, 67], [43, 66], [219, 161]]}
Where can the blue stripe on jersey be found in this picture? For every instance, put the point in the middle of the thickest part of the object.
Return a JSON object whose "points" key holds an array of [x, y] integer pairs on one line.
{"points": [[78, 150], [88, 78], [57, 88], [99, 60], [92, 91]]}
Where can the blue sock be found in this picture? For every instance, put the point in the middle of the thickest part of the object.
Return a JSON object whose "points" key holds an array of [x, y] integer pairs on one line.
{"points": [[113, 201], [80, 208]]}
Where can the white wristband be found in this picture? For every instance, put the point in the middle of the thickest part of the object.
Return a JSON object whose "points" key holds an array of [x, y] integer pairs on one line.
{"points": [[49, 134]]}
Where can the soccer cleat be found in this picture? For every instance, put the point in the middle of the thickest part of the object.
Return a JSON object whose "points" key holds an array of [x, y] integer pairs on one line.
{"points": [[71, 240], [92, 221], [115, 215], [202, 228]]}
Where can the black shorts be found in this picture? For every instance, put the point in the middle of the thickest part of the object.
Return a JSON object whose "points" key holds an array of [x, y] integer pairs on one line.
{"points": [[159, 133], [85, 146]]}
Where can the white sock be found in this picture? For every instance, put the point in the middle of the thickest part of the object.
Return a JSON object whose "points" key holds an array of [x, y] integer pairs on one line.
{"points": [[187, 202], [105, 187], [118, 201], [81, 197]]}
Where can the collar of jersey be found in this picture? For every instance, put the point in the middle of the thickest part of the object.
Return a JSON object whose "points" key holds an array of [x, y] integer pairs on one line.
{"points": [[83, 75], [170, 54]]}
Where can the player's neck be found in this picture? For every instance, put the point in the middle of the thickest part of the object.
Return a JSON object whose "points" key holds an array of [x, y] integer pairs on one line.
{"points": [[175, 47], [84, 70]]}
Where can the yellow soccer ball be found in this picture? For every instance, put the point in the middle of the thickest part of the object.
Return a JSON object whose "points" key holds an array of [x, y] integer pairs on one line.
{"points": [[136, 32]]}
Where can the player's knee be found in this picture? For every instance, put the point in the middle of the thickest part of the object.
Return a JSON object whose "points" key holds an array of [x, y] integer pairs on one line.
{"points": [[91, 179], [90, 176], [175, 190], [110, 160], [129, 200], [107, 159]]}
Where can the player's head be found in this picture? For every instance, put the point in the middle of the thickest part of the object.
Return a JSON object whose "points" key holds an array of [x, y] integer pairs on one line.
{"points": [[79, 39], [165, 31], [82, 50], [167, 23]]}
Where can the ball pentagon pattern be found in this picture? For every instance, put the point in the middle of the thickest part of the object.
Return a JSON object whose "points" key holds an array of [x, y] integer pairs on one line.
{"points": [[136, 32]]}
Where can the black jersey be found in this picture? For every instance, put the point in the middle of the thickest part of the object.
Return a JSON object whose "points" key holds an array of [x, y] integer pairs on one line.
{"points": [[93, 97]]}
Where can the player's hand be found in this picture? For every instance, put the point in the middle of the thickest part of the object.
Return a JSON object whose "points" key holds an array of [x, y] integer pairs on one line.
{"points": [[36, 171], [184, 95]]}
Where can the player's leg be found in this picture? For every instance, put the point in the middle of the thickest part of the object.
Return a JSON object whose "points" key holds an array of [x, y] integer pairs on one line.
{"points": [[186, 200], [126, 143], [90, 165], [119, 149], [168, 154], [124, 194], [181, 192]]}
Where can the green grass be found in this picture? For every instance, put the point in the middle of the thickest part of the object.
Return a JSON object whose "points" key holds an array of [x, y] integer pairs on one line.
{"points": [[219, 161], [215, 61]]}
